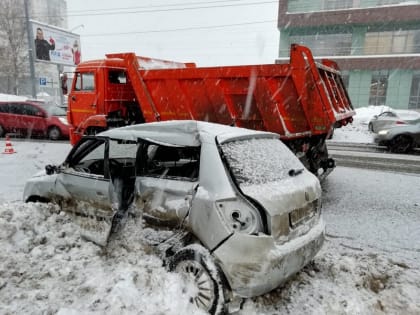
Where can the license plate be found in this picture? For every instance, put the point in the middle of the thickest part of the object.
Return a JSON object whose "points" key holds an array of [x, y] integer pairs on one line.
{"points": [[299, 215]]}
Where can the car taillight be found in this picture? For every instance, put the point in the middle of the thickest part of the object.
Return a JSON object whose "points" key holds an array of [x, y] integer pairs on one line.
{"points": [[240, 216], [400, 122]]}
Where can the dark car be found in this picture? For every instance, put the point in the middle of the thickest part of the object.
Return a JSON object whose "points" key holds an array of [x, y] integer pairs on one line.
{"points": [[33, 119], [400, 139]]}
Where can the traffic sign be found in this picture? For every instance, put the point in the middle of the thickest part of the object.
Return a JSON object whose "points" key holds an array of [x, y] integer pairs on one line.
{"points": [[43, 81]]}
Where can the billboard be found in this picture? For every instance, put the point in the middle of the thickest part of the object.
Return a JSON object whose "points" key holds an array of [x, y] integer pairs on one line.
{"points": [[55, 45]]}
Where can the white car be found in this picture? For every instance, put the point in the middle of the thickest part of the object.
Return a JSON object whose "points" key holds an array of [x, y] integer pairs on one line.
{"points": [[244, 212]]}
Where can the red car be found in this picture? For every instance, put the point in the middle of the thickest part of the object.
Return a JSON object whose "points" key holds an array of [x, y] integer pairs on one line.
{"points": [[33, 119]]}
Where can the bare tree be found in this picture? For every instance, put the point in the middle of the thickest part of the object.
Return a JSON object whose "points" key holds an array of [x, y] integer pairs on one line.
{"points": [[13, 45]]}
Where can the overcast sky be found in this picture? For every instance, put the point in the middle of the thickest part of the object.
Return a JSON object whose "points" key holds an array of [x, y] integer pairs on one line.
{"points": [[208, 32]]}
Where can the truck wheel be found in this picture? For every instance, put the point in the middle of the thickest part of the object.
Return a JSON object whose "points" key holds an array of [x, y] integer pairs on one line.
{"points": [[196, 265], [401, 144], [54, 133]]}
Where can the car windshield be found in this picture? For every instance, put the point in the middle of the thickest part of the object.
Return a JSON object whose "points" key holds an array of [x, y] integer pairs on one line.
{"points": [[55, 111], [259, 161]]}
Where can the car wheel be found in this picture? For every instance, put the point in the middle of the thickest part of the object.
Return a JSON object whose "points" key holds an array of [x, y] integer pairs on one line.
{"points": [[401, 144], [370, 127], [54, 133], [196, 265]]}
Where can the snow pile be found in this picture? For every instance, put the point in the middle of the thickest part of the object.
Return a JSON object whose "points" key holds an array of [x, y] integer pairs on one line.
{"points": [[345, 282], [12, 98], [46, 267]]}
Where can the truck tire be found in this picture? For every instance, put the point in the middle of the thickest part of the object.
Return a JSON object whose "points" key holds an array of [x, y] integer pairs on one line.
{"points": [[195, 263]]}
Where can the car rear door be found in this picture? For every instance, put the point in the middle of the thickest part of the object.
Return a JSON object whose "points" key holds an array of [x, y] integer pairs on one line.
{"points": [[34, 119], [167, 181]]}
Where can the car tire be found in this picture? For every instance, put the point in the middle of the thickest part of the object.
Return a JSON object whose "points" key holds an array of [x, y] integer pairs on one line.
{"points": [[195, 263], [401, 144], [54, 133]]}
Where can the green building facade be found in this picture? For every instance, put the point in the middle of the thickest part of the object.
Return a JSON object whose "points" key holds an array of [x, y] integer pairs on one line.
{"points": [[376, 44]]}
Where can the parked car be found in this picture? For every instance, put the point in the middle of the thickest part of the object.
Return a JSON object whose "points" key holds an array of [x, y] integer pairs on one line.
{"points": [[400, 139], [33, 118], [388, 119], [243, 212]]}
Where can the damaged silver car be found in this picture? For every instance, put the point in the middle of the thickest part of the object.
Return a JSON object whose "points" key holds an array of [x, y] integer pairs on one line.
{"points": [[244, 213]]}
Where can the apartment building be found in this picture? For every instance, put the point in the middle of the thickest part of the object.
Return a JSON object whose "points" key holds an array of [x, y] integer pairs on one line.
{"points": [[375, 42]]}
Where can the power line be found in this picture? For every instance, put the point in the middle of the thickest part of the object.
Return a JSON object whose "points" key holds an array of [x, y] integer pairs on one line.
{"points": [[178, 29], [159, 10], [154, 6]]}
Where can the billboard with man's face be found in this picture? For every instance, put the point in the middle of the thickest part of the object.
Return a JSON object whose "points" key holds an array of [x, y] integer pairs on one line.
{"points": [[55, 45]]}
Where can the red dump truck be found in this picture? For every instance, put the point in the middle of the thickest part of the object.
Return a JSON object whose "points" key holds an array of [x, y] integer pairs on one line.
{"points": [[302, 100]]}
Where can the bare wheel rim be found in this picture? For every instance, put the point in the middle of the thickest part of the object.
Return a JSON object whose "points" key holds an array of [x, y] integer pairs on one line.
{"points": [[204, 297]]}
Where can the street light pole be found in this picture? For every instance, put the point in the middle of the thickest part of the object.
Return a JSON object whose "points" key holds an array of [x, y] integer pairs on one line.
{"points": [[30, 49]]}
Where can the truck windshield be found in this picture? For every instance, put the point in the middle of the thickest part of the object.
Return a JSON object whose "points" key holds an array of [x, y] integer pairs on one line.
{"points": [[259, 161]]}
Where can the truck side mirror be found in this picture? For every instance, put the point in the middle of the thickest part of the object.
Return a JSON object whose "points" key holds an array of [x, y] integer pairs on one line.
{"points": [[64, 88]]}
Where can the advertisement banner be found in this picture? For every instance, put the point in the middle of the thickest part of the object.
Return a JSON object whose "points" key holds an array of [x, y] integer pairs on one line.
{"points": [[55, 45]]}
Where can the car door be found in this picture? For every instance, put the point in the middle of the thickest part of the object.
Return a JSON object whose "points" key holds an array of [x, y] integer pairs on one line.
{"points": [[85, 178], [385, 120], [5, 121], [167, 181], [34, 119]]}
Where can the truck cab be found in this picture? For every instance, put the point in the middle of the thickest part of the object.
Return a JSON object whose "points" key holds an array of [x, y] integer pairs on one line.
{"points": [[101, 97]]}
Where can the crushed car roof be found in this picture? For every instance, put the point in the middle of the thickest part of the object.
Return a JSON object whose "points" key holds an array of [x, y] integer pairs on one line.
{"points": [[183, 132]]}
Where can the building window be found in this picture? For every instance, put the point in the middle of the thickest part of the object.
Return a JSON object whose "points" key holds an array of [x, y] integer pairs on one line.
{"points": [[345, 76], [294, 6], [338, 4], [325, 44], [378, 87], [414, 102], [392, 42]]}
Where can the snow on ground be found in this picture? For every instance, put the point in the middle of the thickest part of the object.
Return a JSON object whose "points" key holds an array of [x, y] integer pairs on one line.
{"points": [[47, 268]]}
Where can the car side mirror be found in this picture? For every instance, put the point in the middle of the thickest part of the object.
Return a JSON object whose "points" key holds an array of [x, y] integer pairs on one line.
{"points": [[50, 169]]}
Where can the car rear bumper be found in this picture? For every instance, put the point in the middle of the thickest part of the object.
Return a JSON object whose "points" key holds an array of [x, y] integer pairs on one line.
{"points": [[254, 265]]}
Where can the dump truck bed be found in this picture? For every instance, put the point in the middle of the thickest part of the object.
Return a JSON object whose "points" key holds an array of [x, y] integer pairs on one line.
{"points": [[298, 99]]}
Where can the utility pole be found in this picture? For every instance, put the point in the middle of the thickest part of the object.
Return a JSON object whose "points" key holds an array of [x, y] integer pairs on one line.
{"points": [[30, 48]]}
